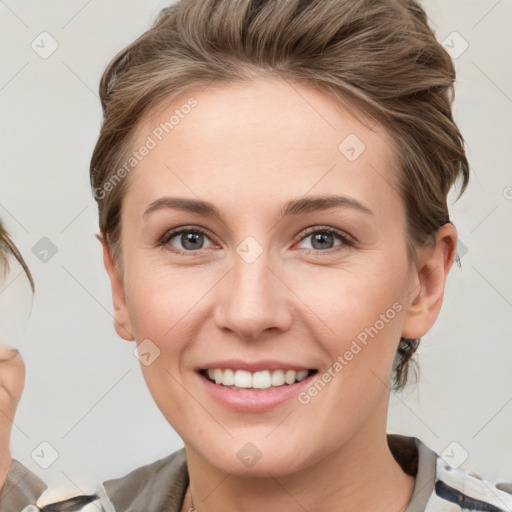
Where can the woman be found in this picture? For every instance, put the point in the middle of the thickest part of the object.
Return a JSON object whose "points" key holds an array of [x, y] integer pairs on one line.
{"points": [[306, 149]]}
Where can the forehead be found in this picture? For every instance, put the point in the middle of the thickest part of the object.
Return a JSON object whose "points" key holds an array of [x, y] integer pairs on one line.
{"points": [[245, 139]]}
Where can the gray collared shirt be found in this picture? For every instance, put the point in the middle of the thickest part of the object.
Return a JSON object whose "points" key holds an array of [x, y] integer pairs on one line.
{"points": [[161, 485]]}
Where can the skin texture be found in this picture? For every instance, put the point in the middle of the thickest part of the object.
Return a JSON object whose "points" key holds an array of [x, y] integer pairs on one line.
{"points": [[12, 379], [248, 148]]}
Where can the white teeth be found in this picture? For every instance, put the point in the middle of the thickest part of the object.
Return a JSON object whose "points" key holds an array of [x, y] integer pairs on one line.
{"points": [[277, 378], [301, 375], [261, 380], [228, 377], [289, 376], [217, 375], [243, 379], [258, 380]]}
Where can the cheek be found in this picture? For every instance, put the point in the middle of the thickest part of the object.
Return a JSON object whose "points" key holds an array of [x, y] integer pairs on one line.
{"points": [[161, 301], [365, 312], [161, 311], [358, 324], [349, 302]]}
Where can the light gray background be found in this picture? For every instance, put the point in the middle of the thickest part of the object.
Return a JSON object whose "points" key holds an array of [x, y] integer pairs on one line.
{"points": [[84, 393]]}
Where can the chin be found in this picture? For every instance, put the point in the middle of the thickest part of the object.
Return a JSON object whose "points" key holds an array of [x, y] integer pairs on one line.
{"points": [[255, 459]]}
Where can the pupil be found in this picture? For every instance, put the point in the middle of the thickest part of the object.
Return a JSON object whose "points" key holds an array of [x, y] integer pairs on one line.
{"points": [[322, 237], [190, 238]]}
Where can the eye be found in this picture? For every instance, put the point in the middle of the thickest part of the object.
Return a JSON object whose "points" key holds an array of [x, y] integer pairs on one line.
{"points": [[323, 239], [191, 240], [188, 241]]}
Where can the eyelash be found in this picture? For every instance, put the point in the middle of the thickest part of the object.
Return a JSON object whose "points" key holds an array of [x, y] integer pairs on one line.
{"points": [[345, 239]]}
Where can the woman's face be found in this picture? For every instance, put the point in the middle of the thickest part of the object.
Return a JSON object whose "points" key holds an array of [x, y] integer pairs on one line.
{"points": [[234, 259]]}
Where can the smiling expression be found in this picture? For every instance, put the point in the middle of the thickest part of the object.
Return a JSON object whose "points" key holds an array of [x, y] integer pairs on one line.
{"points": [[253, 241]]}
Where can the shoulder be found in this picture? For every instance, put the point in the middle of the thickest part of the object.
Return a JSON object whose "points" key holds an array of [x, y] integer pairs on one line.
{"points": [[158, 486], [154, 487], [24, 491], [441, 485], [22, 487], [457, 490]]}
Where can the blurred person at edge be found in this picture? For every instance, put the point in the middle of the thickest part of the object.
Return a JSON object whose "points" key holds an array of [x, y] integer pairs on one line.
{"points": [[272, 182], [12, 367], [20, 487]]}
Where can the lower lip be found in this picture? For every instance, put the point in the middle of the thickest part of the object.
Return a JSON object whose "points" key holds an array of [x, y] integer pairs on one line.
{"points": [[251, 400]]}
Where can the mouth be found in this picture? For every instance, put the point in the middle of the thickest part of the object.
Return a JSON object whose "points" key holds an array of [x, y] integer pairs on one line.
{"points": [[263, 380]]}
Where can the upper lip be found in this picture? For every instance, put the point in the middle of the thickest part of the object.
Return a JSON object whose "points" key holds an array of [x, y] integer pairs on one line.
{"points": [[252, 366]]}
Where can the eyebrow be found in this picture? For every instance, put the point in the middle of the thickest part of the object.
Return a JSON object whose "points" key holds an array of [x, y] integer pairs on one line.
{"points": [[292, 207]]}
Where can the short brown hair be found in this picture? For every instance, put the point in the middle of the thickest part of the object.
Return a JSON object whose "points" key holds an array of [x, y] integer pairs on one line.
{"points": [[378, 56]]}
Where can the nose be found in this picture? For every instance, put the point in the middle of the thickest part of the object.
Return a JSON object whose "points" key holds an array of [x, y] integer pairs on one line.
{"points": [[254, 299]]}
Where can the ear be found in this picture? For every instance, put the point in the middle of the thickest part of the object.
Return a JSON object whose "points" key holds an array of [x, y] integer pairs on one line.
{"points": [[122, 322], [427, 283]]}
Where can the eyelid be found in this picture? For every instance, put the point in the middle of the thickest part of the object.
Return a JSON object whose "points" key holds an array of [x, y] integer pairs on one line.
{"points": [[346, 239], [319, 228], [171, 233]]}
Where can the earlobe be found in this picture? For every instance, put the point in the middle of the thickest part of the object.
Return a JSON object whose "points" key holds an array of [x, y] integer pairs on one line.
{"points": [[122, 322], [427, 283]]}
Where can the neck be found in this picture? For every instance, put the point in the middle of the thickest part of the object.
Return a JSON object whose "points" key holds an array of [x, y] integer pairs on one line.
{"points": [[362, 474]]}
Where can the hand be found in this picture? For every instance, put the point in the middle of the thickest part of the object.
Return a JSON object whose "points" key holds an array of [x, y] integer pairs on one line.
{"points": [[12, 380]]}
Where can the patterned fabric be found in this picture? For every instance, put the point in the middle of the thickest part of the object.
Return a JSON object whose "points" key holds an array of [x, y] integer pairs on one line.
{"points": [[456, 491], [161, 487], [62, 499]]}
